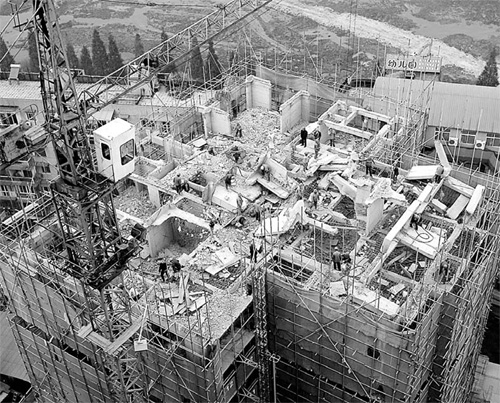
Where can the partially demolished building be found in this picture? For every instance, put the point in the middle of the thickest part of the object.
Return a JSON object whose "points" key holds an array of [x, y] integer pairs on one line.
{"points": [[258, 312]]}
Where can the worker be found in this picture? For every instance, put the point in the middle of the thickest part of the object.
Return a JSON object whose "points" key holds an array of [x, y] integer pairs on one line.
{"points": [[254, 251], [239, 130], [266, 173], [163, 270], [176, 265], [303, 137], [229, 180], [317, 134], [315, 198], [439, 173], [317, 147], [258, 211], [336, 259], [415, 221], [237, 157], [369, 166], [211, 224], [331, 136], [395, 174], [444, 268], [239, 204], [180, 184]]}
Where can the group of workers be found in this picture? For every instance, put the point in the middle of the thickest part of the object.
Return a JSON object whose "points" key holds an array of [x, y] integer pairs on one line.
{"points": [[175, 266]]}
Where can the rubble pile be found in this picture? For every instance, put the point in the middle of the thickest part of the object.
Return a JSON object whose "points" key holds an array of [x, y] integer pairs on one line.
{"points": [[261, 132], [135, 203]]}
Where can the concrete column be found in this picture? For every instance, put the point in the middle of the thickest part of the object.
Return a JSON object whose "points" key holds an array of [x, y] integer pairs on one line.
{"points": [[154, 195]]}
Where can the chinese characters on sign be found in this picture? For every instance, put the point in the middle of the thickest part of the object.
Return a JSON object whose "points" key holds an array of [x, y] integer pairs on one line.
{"points": [[413, 63]]}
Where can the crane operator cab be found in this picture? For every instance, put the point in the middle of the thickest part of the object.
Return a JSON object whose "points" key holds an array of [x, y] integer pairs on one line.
{"points": [[115, 149]]}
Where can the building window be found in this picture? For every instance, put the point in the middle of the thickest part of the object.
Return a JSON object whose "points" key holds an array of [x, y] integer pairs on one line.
{"points": [[468, 138], [492, 140], [373, 352], [106, 152], [7, 119], [127, 152], [442, 133]]}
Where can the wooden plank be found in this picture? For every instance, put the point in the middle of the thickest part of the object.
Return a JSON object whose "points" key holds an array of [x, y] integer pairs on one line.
{"points": [[457, 207]]}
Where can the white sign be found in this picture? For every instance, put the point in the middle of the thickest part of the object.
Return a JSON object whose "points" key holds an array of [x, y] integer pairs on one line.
{"points": [[429, 64]]}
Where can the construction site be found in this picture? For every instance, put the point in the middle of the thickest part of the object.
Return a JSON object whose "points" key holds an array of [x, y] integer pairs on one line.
{"points": [[264, 237]]}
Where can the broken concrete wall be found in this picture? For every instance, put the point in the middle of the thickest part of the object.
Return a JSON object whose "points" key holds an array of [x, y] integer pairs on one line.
{"points": [[216, 121], [176, 149], [294, 111], [159, 237], [234, 100], [189, 126], [172, 225], [258, 93]]}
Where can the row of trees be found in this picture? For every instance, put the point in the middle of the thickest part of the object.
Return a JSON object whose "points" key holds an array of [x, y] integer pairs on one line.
{"points": [[101, 61]]}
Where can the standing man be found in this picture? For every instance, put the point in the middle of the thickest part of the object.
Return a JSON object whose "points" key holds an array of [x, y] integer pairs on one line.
{"points": [[266, 173], [178, 183], [176, 266], [336, 259], [369, 166], [331, 136], [239, 130], [315, 198], [228, 180], [317, 147], [303, 137], [254, 251], [239, 204], [163, 270], [395, 174]]}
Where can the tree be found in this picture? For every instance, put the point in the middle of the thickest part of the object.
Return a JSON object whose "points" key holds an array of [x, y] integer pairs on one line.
{"points": [[72, 57], [213, 68], [489, 76], [5, 56], [99, 55], [115, 60], [33, 53], [86, 61], [167, 54], [138, 47], [196, 61]]}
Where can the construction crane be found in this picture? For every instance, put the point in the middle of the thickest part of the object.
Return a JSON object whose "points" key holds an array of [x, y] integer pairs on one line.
{"points": [[90, 243]]}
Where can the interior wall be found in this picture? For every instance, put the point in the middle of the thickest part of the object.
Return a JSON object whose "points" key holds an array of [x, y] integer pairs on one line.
{"points": [[258, 93], [294, 111]]}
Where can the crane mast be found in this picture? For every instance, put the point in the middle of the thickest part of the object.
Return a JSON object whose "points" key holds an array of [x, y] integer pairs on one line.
{"points": [[83, 199], [89, 324]]}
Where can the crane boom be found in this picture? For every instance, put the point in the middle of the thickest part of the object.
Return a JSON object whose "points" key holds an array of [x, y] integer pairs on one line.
{"points": [[176, 50]]}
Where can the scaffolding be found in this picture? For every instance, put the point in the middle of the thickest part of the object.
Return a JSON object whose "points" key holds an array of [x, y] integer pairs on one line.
{"points": [[296, 338]]}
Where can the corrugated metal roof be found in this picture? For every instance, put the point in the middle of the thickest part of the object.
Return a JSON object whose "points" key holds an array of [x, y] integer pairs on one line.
{"points": [[11, 363], [467, 107]]}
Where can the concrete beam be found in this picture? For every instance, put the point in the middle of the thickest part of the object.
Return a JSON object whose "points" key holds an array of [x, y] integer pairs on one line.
{"points": [[475, 199]]}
